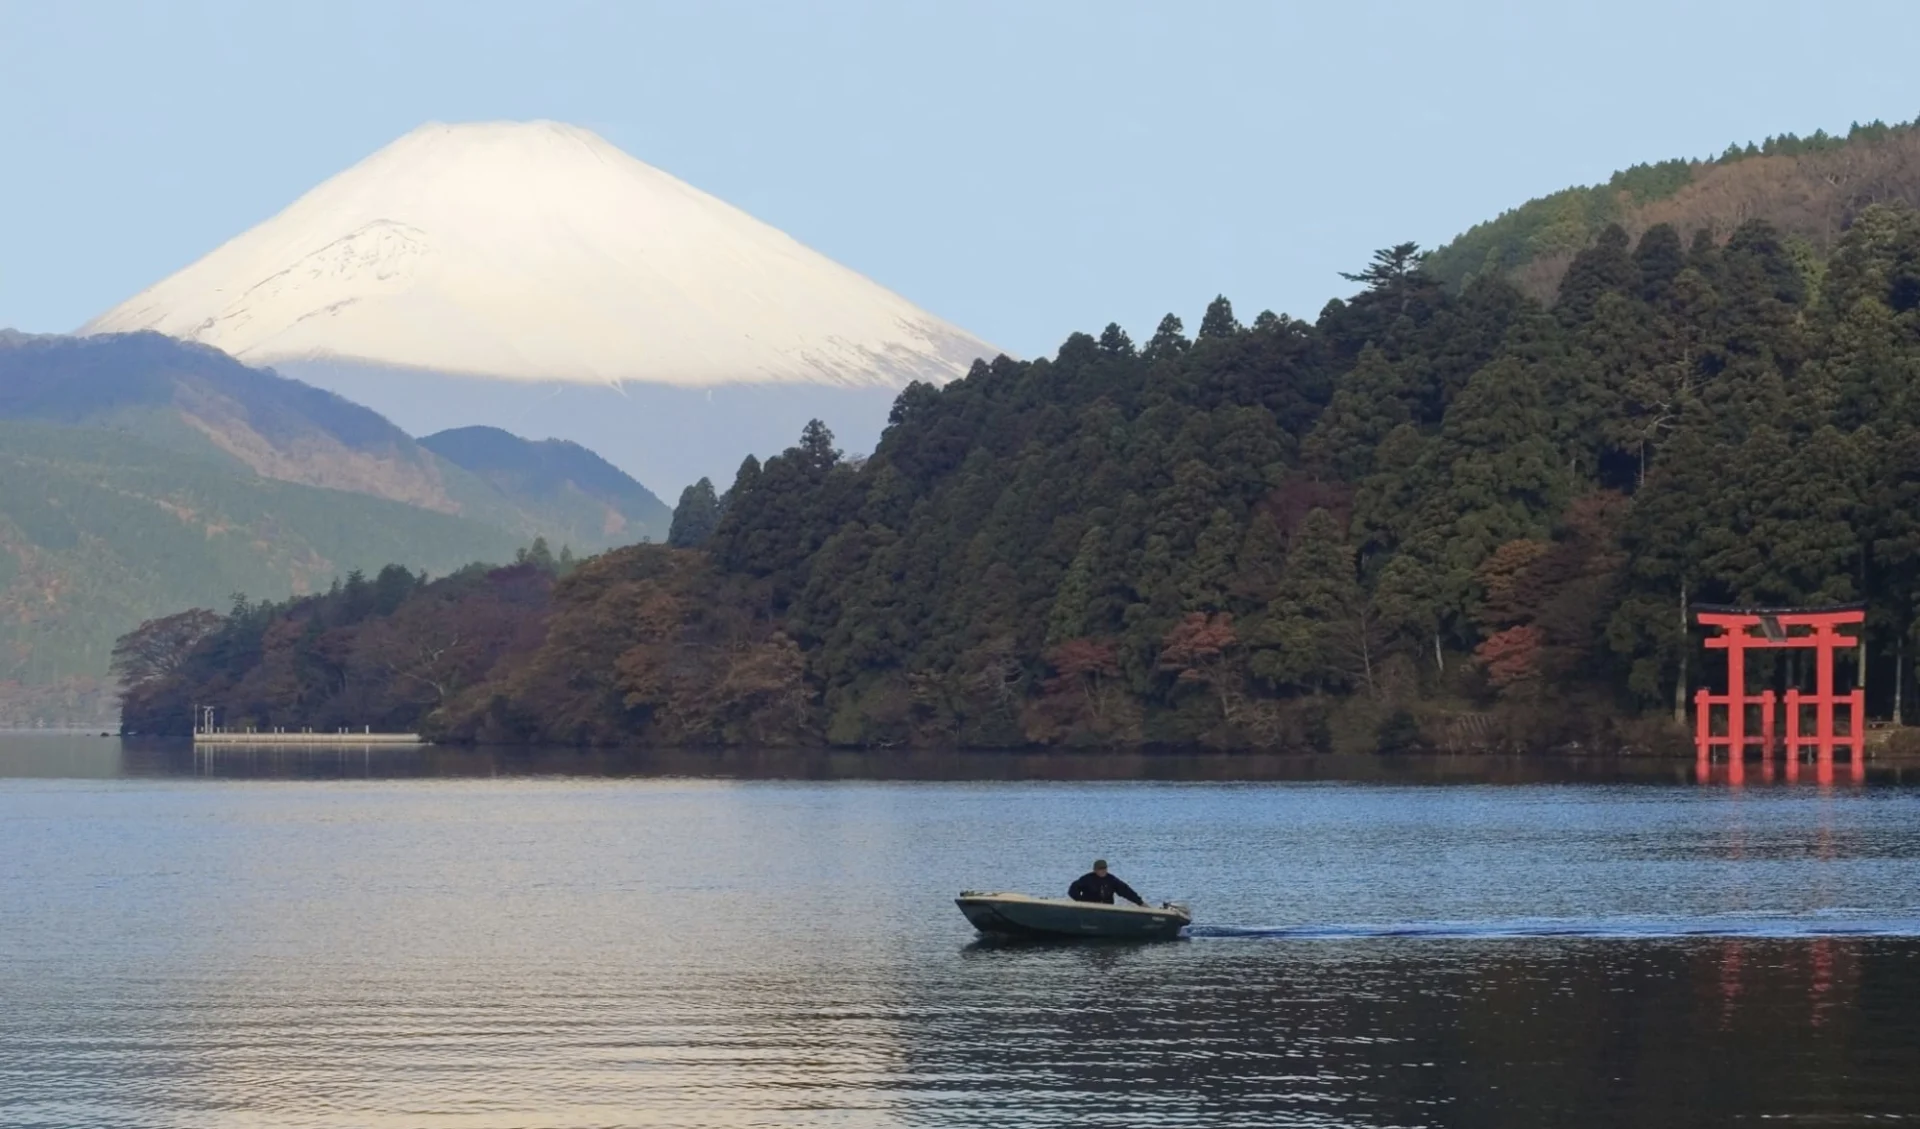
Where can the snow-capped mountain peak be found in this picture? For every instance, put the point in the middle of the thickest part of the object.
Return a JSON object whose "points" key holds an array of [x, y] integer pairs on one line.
{"points": [[540, 252]]}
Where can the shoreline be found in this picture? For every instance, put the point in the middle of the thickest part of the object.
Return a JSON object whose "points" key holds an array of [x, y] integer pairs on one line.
{"points": [[1876, 750]]}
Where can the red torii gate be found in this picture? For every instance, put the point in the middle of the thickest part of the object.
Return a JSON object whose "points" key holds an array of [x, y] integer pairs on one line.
{"points": [[1812, 628]]}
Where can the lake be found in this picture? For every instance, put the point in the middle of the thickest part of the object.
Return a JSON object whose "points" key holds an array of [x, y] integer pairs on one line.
{"points": [[478, 939]]}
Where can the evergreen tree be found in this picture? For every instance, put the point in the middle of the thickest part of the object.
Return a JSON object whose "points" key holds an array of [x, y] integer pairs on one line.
{"points": [[1391, 268], [1169, 340], [747, 477], [1388, 504], [1794, 541], [1219, 322], [391, 587], [1208, 573], [1505, 480], [1313, 632], [1114, 341], [1676, 523], [1659, 258], [695, 517], [1604, 268], [816, 451], [1368, 402], [538, 554], [1067, 619], [1421, 594], [1258, 563]]}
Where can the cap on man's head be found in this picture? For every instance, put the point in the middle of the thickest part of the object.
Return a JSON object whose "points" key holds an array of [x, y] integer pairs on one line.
{"points": [[1099, 864]]}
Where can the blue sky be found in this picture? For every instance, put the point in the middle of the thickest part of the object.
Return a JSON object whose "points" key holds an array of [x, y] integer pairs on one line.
{"points": [[1023, 169]]}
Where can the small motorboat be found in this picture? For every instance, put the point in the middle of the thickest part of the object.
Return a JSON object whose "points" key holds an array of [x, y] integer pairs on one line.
{"points": [[1022, 915]]}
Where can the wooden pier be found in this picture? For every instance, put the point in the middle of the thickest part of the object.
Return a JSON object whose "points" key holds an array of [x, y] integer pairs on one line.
{"points": [[340, 738]]}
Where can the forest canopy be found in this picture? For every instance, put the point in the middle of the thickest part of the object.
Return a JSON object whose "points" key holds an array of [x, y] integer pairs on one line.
{"points": [[1432, 507]]}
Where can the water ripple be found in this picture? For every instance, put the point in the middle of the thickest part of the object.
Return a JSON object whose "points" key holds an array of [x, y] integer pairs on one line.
{"points": [[1777, 926], [482, 954]]}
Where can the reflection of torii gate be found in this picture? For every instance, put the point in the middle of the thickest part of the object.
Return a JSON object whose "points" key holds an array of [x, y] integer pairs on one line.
{"points": [[1812, 628]]}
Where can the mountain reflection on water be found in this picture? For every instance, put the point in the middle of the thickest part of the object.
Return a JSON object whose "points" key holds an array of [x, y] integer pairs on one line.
{"points": [[447, 937]]}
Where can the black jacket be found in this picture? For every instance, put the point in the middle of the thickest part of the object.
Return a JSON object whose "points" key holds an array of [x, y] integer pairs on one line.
{"points": [[1091, 887]]}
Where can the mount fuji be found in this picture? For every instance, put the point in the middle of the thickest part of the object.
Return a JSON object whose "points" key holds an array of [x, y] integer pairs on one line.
{"points": [[534, 277]]}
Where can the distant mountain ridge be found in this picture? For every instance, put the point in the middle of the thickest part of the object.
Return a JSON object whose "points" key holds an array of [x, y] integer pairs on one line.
{"points": [[1811, 188], [197, 400], [587, 499], [140, 475]]}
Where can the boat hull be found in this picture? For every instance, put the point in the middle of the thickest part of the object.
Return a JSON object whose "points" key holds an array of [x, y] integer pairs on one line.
{"points": [[1019, 915]]}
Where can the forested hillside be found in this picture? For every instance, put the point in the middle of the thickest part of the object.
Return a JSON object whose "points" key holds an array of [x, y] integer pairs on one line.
{"points": [[1428, 507], [1810, 188], [99, 530]]}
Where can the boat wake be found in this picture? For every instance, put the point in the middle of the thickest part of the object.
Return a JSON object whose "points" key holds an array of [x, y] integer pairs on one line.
{"points": [[1779, 926]]}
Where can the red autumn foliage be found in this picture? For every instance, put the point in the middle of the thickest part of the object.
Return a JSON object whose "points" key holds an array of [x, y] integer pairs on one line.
{"points": [[1511, 657], [1197, 644], [1082, 694], [1079, 659], [1503, 578]]}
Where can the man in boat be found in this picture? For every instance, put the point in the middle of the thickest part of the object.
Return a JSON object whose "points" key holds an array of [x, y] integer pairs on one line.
{"points": [[1099, 886]]}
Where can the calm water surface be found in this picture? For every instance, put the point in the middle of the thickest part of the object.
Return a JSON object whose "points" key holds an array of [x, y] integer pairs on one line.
{"points": [[458, 938]]}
